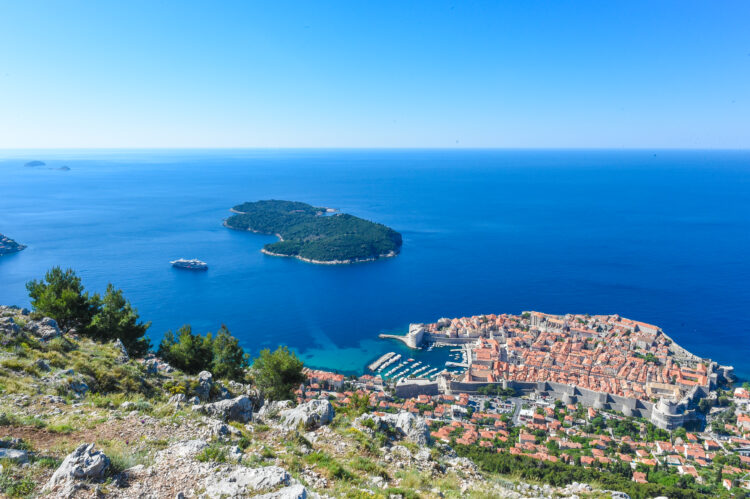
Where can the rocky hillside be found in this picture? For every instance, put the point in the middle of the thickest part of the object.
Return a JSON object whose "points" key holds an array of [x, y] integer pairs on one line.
{"points": [[82, 419]]}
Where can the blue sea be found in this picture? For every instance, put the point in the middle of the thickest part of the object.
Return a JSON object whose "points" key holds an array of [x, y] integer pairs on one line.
{"points": [[658, 236]]}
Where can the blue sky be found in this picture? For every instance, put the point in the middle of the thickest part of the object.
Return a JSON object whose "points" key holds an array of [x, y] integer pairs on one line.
{"points": [[673, 74]]}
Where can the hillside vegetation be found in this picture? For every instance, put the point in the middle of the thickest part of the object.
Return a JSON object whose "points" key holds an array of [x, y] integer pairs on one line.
{"points": [[307, 233], [84, 415]]}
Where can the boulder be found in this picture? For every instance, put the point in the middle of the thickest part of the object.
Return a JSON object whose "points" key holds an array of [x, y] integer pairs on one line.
{"points": [[311, 415], [236, 409], [44, 329], [295, 491], [414, 428], [271, 410], [17, 455], [220, 430], [244, 482], [205, 382], [82, 464], [407, 425]]}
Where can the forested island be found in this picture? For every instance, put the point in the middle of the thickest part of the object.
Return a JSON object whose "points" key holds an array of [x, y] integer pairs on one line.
{"points": [[315, 234], [8, 245]]}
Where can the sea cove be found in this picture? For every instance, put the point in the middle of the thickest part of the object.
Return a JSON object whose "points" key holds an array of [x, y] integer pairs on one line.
{"points": [[646, 234]]}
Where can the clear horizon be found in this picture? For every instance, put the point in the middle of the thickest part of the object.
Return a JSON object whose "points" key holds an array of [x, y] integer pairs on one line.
{"points": [[427, 75]]}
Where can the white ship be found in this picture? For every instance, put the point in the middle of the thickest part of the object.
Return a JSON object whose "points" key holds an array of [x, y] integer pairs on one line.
{"points": [[194, 264]]}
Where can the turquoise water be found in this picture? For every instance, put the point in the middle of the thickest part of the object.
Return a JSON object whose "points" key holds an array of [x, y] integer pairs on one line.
{"points": [[658, 236]]}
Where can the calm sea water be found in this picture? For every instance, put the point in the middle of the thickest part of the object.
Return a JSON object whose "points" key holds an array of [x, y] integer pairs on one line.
{"points": [[661, 237]]}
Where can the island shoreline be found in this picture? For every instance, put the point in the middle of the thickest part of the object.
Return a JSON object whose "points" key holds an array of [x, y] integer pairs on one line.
{"points": [[321, 258]]}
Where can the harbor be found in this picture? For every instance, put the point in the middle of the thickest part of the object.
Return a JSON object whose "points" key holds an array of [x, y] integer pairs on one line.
{"points": [[423, 363]]}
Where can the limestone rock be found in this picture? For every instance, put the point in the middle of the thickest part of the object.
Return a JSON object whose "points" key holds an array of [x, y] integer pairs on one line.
{"points": [[242, 482], [44, 329], [82, 464], [20, 456], [409, 426], [185, 449], [220, 430], [271, 410], [236, 409], [414, 428], [311, 414], [205, 382], [296, 491]]}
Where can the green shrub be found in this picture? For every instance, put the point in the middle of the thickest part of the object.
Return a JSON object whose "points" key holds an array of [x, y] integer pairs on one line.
{"points": [[10, 419], [213, 453], [63, 428], [60, 344], [332, 467], [244, 442], [13, 486], [229, 359], [47, 462]]}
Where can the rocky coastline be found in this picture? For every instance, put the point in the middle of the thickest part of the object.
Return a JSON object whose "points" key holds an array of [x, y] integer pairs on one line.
{"points": [[330, 262], [8, 246]]}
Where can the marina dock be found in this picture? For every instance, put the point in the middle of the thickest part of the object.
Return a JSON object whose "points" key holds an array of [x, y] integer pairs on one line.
{"points": [[381, 360]]}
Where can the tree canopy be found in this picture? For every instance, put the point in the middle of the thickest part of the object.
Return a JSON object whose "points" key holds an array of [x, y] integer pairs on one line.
{"points": [[278, 373], [306, 231], [60, 295], [222, 354], [117, 319]]}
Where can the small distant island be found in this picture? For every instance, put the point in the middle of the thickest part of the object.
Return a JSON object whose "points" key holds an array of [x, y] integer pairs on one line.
{"points": [[36, 163], [8, 245], [313, 234]]}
